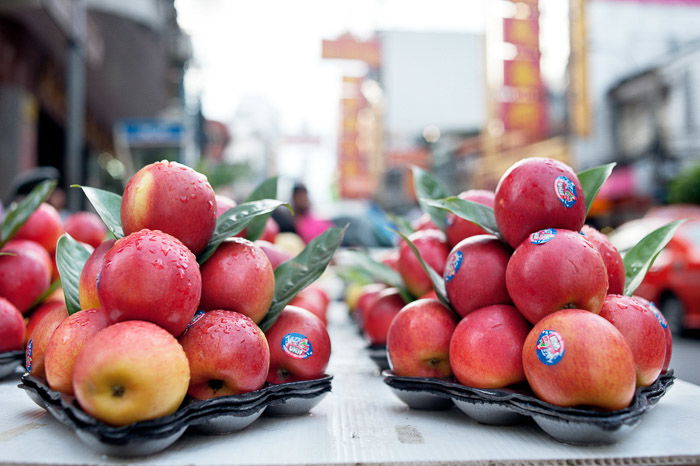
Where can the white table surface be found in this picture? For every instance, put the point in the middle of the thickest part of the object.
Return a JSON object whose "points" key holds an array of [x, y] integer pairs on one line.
{"points": [[361, 421]]}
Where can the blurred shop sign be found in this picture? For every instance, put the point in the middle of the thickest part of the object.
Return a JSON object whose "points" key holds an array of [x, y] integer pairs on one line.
{"points": [[151, 132], [349, 48]]}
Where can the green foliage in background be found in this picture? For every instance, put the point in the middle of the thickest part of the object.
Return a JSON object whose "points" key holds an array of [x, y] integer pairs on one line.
{"points": [[685, 188]]}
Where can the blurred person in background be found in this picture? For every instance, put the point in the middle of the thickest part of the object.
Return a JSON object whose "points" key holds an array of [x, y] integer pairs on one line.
{"points": [[307, 225]]}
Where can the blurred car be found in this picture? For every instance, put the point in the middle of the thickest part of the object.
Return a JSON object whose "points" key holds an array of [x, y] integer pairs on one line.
{"points": [[673, 281]]}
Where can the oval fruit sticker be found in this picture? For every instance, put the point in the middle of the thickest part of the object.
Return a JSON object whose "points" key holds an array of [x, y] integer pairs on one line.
{"points": [[454, 262], [550, 347], [297, 346], [566, 191]]}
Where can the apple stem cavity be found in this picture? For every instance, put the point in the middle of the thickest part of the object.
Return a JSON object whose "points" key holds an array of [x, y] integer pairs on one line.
{"points": [[570, 306], [216, 384], [118, 391]]}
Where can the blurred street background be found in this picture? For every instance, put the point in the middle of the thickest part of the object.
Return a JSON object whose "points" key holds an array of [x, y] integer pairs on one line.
{"points": [[344, 96]]}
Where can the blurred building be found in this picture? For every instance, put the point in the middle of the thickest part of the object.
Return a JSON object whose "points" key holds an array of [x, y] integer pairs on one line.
{"points": [[133, 53]]}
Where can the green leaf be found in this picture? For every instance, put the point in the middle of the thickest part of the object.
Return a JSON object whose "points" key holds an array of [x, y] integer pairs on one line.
{"points": [[427, 186], [403, 225], [108, 206], [379, 272], [640, 258], [234, 220], [49, 291], [20, 212], [473, 211], [435, 278], [299, 272], [266, 190], [7, 254], [592, 180], [70, 259]]}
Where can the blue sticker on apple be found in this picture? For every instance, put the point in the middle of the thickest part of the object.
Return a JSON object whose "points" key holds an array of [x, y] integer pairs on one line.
{"points": [[566, 191], [453, 264], [297, 346], [550, 347], [543, 236], [659, 316], [28, 356]]}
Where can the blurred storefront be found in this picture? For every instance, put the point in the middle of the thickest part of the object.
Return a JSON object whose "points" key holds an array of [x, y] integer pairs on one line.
{"points": [[131, 58]]}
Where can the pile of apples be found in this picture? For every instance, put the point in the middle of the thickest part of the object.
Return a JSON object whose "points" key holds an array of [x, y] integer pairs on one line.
{"points": [[155, 325], [540, 304]]}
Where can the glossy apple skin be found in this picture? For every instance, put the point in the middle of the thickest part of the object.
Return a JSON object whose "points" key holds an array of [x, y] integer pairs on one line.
{"points": [[238, 277], [475, 274], [368, 295], [424, 222], [664, 325], [172, 198], [433, 247], [418, 340], [457, 228], [43, 226], [391, 259], [223, 203], [39, 313], [35, 351], [228, 355], [86, 227], [12, 328], [87, 286], [131, 371], [273, 253], [612, 259], [643, 333], [597, 366], [527, 199], [379, 315], [25, 274], [150, 275], [556, 269], [65, 344], [487, 345], [300, 347], [314, 299]]}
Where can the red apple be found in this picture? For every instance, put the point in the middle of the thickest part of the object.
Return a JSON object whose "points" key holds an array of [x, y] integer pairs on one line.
{"points": [[40, 312], [172, 198], [273, 253], [611, 257], [300, 347], [475, 274], [368, 295], [39, 340], [424, 222], [131, 371], [314, 299], [457, 228], [86, 227], [24, 274], [87, 286], [238, 277], [487, 345], [150, 275], [379, 315], [228, 355], [223, 203], [664, 325], [66, 343], [418, 340], [12, 329], [642, 332], [538, 193], [43, 226], [271, 230], [556, 269], [434, 250], [390, 258], [576, 358]]}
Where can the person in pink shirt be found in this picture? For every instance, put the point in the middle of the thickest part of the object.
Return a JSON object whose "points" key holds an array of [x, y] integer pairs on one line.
{"points": [[307, 225]]}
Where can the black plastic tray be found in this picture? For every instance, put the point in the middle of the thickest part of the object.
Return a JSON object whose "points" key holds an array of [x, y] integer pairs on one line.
{"points": [[517, 405], [215, 416], [378, 355], [10, 361]]}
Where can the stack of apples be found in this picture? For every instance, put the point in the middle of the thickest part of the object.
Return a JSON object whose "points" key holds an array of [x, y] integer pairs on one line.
{"points": [[156, 326], [539, 304]]}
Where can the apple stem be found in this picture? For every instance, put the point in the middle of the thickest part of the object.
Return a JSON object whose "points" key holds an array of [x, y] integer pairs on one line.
{"points": [[118, 391]]}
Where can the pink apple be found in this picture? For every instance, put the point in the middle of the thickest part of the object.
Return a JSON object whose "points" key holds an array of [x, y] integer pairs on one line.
{"points": [[86, 227], [150, 275], [273, 253], [66, 343], [576, 358], [87, 286], [433, 247], [556, 269], [418, 340], [228, 355], [642, 332], [458, 228], [368, 295], [43, 226], [379, 315], [424, 222], [24, 274], [40, 336], [12, 329], [314, 299], [131, 371], [300, 347], [486, 347], [611, 257], [223, 203], [538, 193], [664, 324], [475, 274], [40, 312]]}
